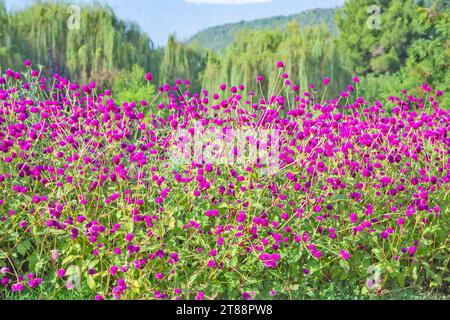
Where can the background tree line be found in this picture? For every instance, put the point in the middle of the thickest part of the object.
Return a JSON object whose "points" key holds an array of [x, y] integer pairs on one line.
{"points": [[411, 47]]}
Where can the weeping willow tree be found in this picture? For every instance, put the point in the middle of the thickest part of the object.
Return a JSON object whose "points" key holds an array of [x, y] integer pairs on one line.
{"points": [[3, 32], [39, 33], [252, 53], [181, 61], [89, 43], [5, 55], [309, 55]]}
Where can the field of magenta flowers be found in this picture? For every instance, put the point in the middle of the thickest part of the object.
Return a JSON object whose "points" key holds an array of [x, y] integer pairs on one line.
{"points": [[92, 199]]}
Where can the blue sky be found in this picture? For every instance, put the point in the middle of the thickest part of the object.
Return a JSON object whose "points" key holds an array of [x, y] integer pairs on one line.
{"points": [[159, 18]]}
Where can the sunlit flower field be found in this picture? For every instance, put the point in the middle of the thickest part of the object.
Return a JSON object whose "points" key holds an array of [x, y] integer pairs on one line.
{"points": [[228, 194]]}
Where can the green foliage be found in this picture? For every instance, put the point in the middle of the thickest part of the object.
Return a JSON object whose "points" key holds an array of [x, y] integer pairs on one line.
{"points": [[373, 86], [411, 48], [429, 56], [309, 54], [307, 291], [181, 61], [30, 250], [102, 44], [371, 49], [220, 37], [385, 63], [5, 54], [131, 86]]}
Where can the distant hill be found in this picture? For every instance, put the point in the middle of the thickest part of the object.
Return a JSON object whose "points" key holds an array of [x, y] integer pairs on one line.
{"points": [[219, 37]]}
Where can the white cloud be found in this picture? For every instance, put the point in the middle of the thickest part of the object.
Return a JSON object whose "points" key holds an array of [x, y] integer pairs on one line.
{"points": [[227, 2]]}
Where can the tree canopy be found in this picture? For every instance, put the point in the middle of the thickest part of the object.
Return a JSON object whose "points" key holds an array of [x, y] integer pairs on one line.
{"points": [[410, 46]]}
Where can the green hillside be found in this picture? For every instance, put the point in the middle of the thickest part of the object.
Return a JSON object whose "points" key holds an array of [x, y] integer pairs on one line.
{"points": [[220, 37]]}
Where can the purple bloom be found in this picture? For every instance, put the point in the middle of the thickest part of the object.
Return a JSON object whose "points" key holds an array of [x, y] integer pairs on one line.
{"points": [[344, 254]]}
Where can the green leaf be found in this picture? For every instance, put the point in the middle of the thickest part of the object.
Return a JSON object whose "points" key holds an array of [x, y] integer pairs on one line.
{"points": [[92, 264], [91, 283], [414, 273], [69, 259], [294, 287], [401, 278], [171, 223], [258, 206], [377, 253], [430, 273], [234, 261], [32, 261], [23, 247], [344, 264]]}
